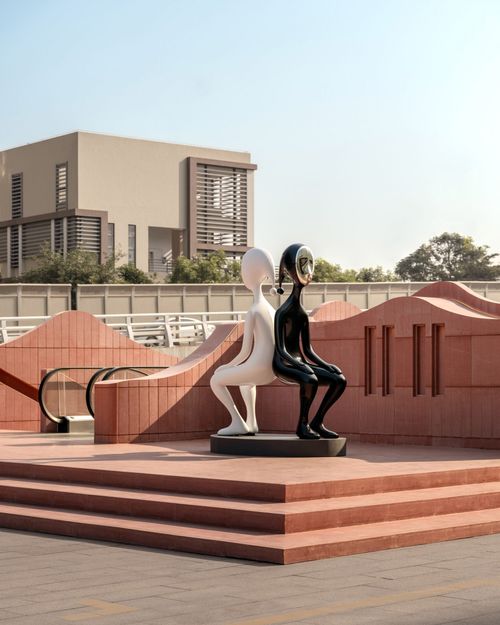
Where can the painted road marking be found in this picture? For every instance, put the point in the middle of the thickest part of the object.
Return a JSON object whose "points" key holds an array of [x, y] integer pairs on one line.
{"points": [[103, 609], [370, 602]]}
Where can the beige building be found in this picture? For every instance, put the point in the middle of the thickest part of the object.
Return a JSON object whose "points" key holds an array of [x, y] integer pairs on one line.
{"points": [[149, 200]]}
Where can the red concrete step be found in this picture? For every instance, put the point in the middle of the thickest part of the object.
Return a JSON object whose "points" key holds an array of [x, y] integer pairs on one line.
{"points": [[254, 515], [245, 489], [390, 506], [194, 485], [218, 511], [278, 548], [355, 539]]}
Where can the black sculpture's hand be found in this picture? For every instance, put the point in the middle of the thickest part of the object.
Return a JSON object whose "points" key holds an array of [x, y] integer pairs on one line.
{"points": [[298, 364], [305, 368]]}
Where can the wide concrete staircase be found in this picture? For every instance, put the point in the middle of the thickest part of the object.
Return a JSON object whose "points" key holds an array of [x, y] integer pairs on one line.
{"points": [[266, 522]]}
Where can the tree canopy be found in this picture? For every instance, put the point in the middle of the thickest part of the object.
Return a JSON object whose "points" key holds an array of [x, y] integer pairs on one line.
{"points": [[217, 268], [210, 269], [329, 272], [80, 267], [375, 274], [449, 256]]}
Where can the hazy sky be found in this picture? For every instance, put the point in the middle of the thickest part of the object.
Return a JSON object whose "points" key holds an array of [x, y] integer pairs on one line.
{"points": [[375, 124]]}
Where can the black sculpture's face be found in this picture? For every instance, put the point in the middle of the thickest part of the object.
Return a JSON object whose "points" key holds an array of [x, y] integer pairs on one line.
{"points": [[298, 262], [304, 265]]}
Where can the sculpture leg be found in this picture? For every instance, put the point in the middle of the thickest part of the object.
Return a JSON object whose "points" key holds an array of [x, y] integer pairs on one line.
{"points": [[308, 391], [337, 384], [249, 394], [237, 425]]}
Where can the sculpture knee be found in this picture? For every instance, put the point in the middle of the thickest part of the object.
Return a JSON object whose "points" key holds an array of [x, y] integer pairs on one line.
{"points": [[338, 385], [310, 379], [341, 381], [215, 382]]}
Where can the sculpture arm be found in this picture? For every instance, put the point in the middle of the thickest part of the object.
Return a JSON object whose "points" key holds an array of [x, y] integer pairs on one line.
{"points": [[311, 355], [246, 345]]}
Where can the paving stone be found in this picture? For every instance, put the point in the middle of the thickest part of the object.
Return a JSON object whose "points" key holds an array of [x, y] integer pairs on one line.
{"points": [[6, 616], [180, 589], [408, 571], [428, 603]]}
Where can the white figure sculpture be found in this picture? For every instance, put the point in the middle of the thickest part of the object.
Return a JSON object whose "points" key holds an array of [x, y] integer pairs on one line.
{"points": [[253, 366]]}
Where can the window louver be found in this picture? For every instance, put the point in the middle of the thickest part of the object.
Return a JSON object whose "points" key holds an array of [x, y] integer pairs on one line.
{"points": [[84, 233], [35, 235], [14, 247], [17, 195], [222, 205], [3, 245], [62, 186]]}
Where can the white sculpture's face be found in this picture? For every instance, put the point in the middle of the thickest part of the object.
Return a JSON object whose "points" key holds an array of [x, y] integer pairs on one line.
{"points": [[257, 266]]}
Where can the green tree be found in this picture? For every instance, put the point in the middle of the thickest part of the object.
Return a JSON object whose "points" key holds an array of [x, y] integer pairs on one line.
{"points": [[210, 269], [81, 267], [329, 272], [375, 274], [131, 274], [449, 256], [78, 267]]}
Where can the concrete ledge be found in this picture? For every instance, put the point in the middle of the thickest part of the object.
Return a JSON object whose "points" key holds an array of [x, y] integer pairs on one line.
{"points": [[277, 445], [76, 424]]}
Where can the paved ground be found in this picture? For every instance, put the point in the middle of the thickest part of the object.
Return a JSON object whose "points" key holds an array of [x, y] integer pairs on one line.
{"points": [[46, 580]]}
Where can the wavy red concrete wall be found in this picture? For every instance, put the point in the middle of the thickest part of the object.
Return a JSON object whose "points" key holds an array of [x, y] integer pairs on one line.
{"points": [[457, 292], [462, 411], [177, 403], [70, 338]]}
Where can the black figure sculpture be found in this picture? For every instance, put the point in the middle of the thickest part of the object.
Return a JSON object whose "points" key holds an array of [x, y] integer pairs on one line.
{"points": [[293, 364]]}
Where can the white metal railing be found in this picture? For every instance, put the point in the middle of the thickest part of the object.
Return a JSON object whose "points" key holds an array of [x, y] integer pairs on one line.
{"points": [[11, 327], [168, 329], [151, 329]]}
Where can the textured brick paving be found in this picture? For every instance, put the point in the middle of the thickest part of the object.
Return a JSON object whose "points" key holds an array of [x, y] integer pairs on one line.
{"points": [[49, 580]]}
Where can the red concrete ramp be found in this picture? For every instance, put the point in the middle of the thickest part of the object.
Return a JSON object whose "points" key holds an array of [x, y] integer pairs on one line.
{"points": [[15, 383]]}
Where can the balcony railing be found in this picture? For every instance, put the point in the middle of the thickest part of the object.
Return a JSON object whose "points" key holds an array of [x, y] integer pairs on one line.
{"points": [[156, 265]]}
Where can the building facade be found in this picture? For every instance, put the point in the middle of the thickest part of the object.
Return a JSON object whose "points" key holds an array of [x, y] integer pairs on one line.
{"points": [[147, 201]]}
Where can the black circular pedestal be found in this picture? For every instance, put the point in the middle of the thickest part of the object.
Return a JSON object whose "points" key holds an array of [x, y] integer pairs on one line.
{"points": [[277, 445]]}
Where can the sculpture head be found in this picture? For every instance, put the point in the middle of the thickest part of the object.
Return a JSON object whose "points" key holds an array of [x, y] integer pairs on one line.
{"points": [[257, 266], [298, 262]]}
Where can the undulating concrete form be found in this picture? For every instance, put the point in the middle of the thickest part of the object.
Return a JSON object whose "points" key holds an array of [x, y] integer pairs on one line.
{"points": [[179, 496], [422, 370], [178, 403], [69, 339]]}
